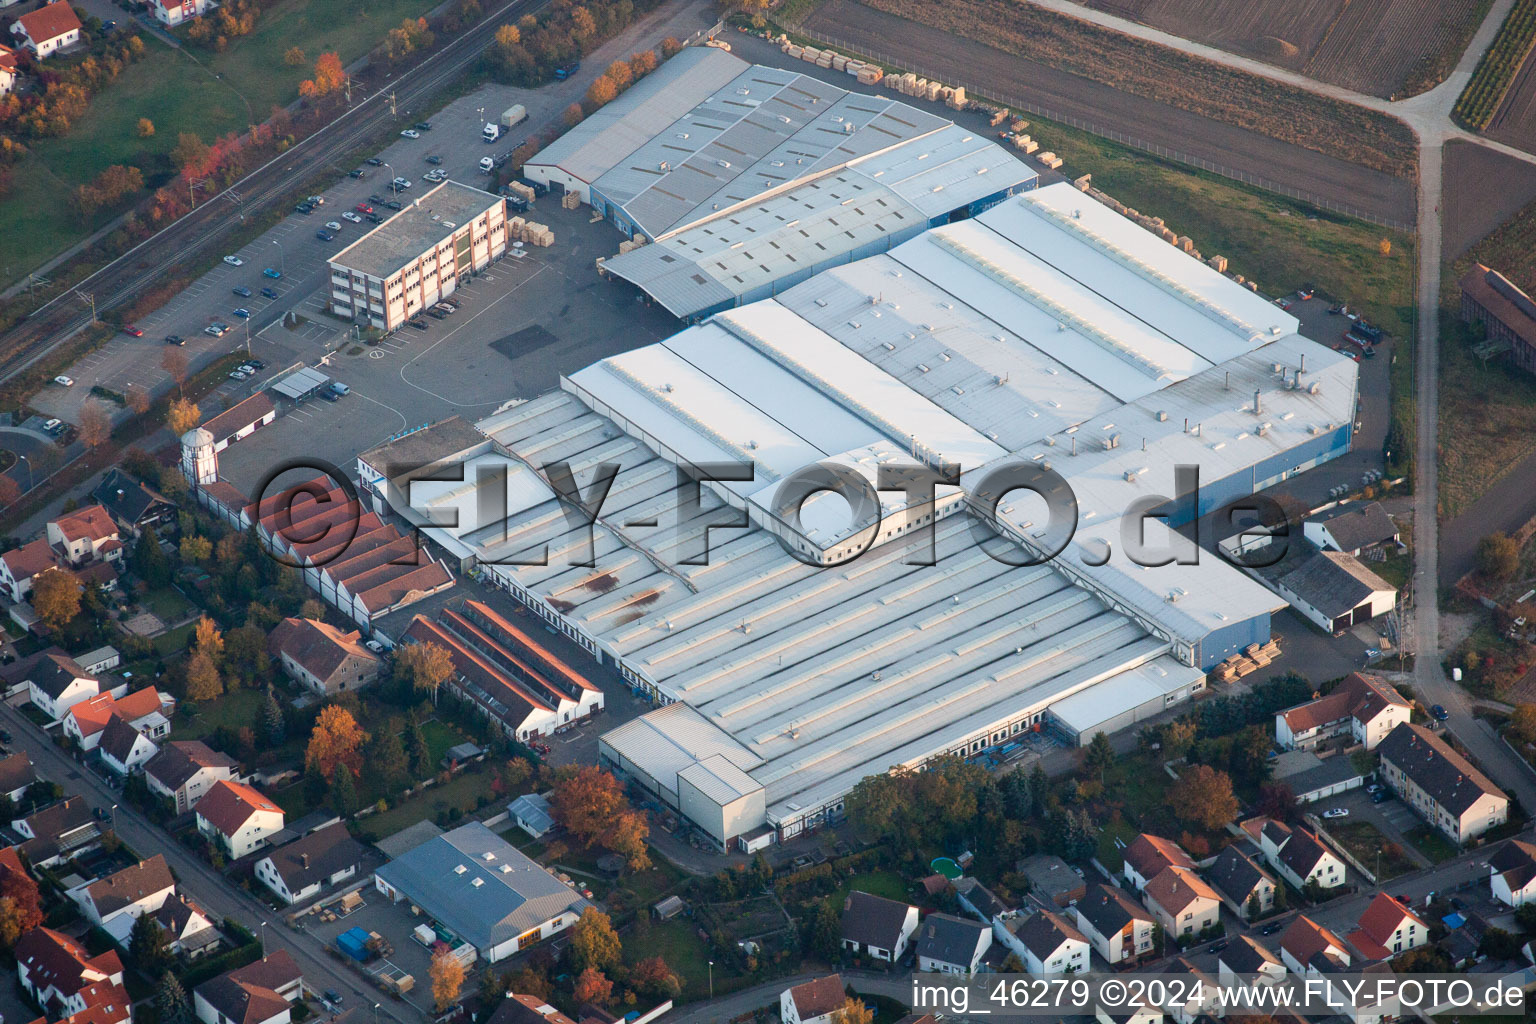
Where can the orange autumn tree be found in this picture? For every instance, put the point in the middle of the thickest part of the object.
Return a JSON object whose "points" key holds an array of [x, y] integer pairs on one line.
{"points": [[329, 77], [335, 742]]}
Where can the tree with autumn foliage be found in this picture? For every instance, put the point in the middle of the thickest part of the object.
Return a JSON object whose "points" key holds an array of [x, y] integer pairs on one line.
{"points": [[335, 742], [95, 424], [1203, 796], [329, 77], [601, 91], [422, 667], [642, 63], [209, 639], [22, 903], [56, 597], [589, 803], [594, 943], [447, 978], [593, 987], [653, 976], [853, 1011]]}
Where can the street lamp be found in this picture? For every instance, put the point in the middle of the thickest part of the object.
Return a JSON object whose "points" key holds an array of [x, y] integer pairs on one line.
{"points": [[114, 818], [282, 266], [30, 483], [711, 980], [263, 940]]}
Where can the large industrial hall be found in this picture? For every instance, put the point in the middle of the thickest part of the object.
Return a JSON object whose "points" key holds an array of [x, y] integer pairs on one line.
{"points": [[1045, 330]]}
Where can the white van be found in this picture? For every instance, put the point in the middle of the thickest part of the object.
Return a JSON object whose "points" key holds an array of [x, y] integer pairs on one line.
{"points": [[487, 165]]}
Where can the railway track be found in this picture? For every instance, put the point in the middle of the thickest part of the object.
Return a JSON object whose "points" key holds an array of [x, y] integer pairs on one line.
{"points": [[58, 320]]}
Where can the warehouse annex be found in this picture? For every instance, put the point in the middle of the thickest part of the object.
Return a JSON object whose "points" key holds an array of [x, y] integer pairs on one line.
{"points": [[1047, 330]]}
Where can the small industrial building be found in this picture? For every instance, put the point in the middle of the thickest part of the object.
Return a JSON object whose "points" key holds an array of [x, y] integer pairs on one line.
{"points": [[1506, 312], [1335, 591], [483, 890], [418, 256], [1353, 528], [301, 384], [240, 420]]}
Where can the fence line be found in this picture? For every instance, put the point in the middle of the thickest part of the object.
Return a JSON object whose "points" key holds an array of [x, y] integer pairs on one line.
{"points": [[1154, 148]]}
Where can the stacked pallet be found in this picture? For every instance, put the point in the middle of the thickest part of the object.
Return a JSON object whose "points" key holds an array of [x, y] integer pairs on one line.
{"points": [[522, 191], [1218, 264], [998, 117], [515, 228], [794, 51], [869, 74], [1019, 125], [839, 62], [537, 234], [1185, 243], [956, 99], [1025, 143], [1084, 183], [810, 54], [630, 245], [1051, 160]]}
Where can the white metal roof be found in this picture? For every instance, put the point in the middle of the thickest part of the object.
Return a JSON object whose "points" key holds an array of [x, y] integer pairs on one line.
{"points": [[1086, 710], [720, 780]]}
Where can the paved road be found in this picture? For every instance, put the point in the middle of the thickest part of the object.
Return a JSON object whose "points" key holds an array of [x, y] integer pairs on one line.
{"points": [[895, 986], [198, 879]]}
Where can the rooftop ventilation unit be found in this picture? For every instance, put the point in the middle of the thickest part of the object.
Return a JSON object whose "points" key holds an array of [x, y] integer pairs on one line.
{"points": [[460, 869], [1162, 417], [477, 883]]}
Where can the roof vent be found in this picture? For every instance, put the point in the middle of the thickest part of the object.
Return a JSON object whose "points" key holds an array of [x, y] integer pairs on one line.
{"points": [[460, 869], [506, 869], [1162, 417], [477, 883], [488, 856]]}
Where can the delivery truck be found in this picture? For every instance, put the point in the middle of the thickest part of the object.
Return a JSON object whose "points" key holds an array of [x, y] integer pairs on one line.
{"points": [[513, 115]]}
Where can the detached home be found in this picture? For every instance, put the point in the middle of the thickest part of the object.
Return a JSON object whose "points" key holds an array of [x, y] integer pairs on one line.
{"points": [[1148, 855], [1245, 956], [951, 945], [8, 74], [147, 711], [304, 867], [877, 927], [133, 507], [1512, 873], [1115, 925], [1440, 784], [16, 776], [1386, 929], [323, 658], [87, 534], [1364, 707], [1308, 948], [184, 770], [238, 818], [55, 683], [48, 29], [1181, 901], [174, 12], [814, 1002], [62, 978], [259, 993], [1049, 945], [1247, 889], [131, 893], [1300, 857], [19, 567], [58, 832], [123, 748]]}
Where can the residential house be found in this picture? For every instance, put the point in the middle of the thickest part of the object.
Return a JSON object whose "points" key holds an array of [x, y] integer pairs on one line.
{"points": [[977, 899], [1195, 1001], [1308, 948], [519, 1008], [1300, 857], [87, 534], [16, 776], [1049, 945], [134, 891], [1181, 902], [55, 682], [1353, 528], [1115, 925], [951, 945], [174, 12], [1052, 878], [877, 927], [302, 868], [1135, 1013], [1247, 889], [1440, 785], [1364, 707], [48, 29], [19, 567], [133, 506], [104, 659], [1245, 956], [1512, 872], [321, 657], [813, 1002], [63, 979], [188, 927], [1386, 929], [237, 818], [241, 420], [1334, 591], [262, 992], [9, 72], [58, 832], [184, 770], [1147, 856], [147, 711], [123, 748]]}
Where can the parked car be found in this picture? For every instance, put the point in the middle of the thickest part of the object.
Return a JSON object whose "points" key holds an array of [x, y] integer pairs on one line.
{"points": [[1381, 796], [330, 396], [68, 382], [1217, 947], [53, 426], [242, 291], [436, 314], [410, 133], [256, 363], [450, 303], [213, 332], [373, 218], [243, 313], [436, 176], [324, 235], [234, 261], [446, 308], [269, 292], [420, 324], [393, 204], [5, 736], [350, 216], [175, 339], [304, 208], [1439, 713], [272, 272], [355, 174], [421, 126], [1271, 929], [316, 200], [333, 225], [374, 161], [434, 159], [364, 207], [1336, 812], [237, 375], [401, 184], [246, 368], [133, 330], [338, 388]]}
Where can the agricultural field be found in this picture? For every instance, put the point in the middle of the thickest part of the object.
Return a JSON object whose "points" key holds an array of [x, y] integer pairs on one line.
{"points": [[1497, 73], [1482, 189], [1139, 68], [1389, 48], [1514, 123]]}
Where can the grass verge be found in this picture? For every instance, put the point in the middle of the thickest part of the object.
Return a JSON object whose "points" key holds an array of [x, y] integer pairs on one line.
{"points": [[1431, 843]]}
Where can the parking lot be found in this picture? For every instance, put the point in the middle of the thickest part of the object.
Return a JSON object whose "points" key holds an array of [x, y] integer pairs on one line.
{"points": [[395, 923]]}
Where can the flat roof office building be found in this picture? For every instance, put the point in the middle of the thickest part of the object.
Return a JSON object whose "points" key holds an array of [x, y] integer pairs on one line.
{"points": [[418, 256]]}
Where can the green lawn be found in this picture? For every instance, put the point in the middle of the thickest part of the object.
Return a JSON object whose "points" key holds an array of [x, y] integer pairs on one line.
{"points": [[167, 603], [440, 736], [175, 641], [1363, 840], [1110, 855], [1431, 843], [889, 884], [677, 943], [461, 792], [234, 709]]}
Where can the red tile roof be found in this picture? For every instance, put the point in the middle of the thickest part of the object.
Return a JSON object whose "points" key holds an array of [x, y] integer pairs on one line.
{"points": [[229, 805], [1150, 854], [1305, 938], [49, 22], [91, 715], [7, 57], [317, 646], [1381, 918], [822, 996], [54, 960], [1175, 888], [30, 559], [92, 522], [237, 417]]}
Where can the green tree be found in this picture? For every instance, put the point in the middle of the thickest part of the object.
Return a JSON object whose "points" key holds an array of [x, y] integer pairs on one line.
{"points": [[1254, 907], [1101, 753], [149, 947], [1498, 557], [171, 1000], [594, 943], [343, 793], [149, 562], [824, 934], [385, 758], [416, 749], [273, 727]]}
